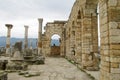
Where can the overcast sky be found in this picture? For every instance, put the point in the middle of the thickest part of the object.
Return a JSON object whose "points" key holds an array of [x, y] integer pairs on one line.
{"points": [[26, 12]]}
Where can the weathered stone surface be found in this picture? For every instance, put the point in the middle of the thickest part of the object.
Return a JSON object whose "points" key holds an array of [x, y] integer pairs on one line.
{"points": [[112, 2], [18, 46], [54, 69], [115, 39], [14, 66], [56, 27], [17, 55], [114, 65], [39, 60], [113, 25], [3, 64], [3, 75]]}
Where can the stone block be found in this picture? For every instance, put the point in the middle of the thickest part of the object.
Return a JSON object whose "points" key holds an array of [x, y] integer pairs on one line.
{"points": [[114, 65], [104, 28], [114, 15], [115, 46], [115, 59], [115, 70], [104, 47], [103, 21], [104, 34], [115, 39], [104, 40], [115, 53], [114, 76], [105, 68], [113, 25], [115, 32], [105, 63], [112, 2]]}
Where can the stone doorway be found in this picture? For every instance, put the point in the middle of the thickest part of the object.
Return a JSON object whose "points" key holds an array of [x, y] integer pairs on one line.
{"points": [[55, 45]]}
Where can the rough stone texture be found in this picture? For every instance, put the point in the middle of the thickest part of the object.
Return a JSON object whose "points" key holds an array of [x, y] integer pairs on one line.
{"points": [[17, 51], [26, 37], [54, 69], [55, 50], [56, 27], [110, 58], [79, 39], [9, 27], [16, 66], [16, 61], [40, 20], [3, 64], [82, 34], [31, 57], [3, 76]]}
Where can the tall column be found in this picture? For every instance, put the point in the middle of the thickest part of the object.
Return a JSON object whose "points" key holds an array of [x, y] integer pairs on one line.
{"points": [[40, 20], [9, 27], [26, 37], [89, 40]]}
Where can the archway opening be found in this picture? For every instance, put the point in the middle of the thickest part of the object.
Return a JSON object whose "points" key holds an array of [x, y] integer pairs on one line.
{"points": [[55, 45]]}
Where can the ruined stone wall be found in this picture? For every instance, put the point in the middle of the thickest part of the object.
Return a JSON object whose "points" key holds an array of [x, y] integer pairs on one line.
{"points": [[52, 28], [82, 36], [110, 39], [55, 50], [44, 44], [82, 31], [3, 76], [73, 34]]}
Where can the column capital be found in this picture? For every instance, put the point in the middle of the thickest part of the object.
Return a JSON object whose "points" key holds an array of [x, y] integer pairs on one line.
{"points": [[9, 26], [40, 19], [26, 26]]}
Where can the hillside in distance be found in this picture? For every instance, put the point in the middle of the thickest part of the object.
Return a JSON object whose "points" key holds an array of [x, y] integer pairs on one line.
{"points": [[34, 41]]}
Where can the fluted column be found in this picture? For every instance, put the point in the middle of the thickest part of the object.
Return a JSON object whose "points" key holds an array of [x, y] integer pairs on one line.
{"points": [[26, 37], [9, 27], [40, 20]]}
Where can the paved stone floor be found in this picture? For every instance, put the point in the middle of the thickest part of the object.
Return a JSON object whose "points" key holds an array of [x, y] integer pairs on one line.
{"points": [[54, 69]]}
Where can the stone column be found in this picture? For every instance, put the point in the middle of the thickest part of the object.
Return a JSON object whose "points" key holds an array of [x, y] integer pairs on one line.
{"points": [[9, 27], [26, 37], [40, 20], [89, 40]]}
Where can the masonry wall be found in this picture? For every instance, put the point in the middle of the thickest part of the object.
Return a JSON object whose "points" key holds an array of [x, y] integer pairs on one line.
{"points": [[110, 39], [55, 50], [56, 27]]}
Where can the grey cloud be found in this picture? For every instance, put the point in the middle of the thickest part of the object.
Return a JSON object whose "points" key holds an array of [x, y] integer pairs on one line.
{"points": [[27, 11]]}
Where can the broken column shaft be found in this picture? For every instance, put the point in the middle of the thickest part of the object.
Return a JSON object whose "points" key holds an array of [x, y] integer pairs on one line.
{"points": [[40, 20], [9, 27], [26, 37]]}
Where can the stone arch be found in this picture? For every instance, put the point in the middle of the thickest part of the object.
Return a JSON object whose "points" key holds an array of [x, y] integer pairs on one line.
{"points": [[56, 27], [55, 47], [89, 34], [109, 30]]}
